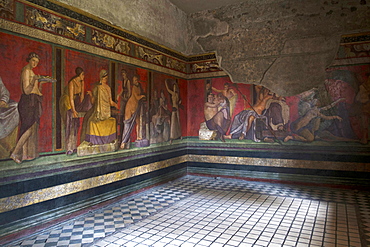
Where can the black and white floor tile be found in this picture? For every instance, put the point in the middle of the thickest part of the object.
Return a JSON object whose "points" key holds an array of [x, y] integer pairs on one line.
{"points": [[202, 211]]}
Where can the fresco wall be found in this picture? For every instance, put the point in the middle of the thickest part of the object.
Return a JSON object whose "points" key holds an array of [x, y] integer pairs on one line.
{"points": [[334, 112], [69, 69], [75, 110], [155, 107], [275, 43], [77, 106], [90, 101], [90, 113]]}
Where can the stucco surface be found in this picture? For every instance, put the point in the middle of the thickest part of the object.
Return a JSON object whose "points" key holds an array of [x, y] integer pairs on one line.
{"points": [[283, 45], [159, 20]]}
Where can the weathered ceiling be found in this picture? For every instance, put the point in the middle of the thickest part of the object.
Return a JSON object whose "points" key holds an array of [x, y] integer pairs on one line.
{"points": [[193, 6], [284, 45]]}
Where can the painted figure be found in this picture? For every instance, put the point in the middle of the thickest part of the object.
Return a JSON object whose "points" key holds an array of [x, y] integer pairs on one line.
{"points": [[123, 95], [230, 94], [160, 125], [217, 115], [243, 125], [154, 104], [9, 119], [306, 126], [277, 113], [100, 127], [210, 107], [208, 89], [133, 113], [275, 125], [344, 84], [175, 130], [363, 96], [73, 102], [30, 110]]}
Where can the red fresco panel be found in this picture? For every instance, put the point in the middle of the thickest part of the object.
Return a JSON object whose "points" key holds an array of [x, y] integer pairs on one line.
{"points": [[91, 66], [14, 51], [196, 100]]}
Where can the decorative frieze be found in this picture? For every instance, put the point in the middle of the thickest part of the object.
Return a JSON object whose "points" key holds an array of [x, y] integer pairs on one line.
{"points": [[55, 24], [77, 26], [7, 9]]}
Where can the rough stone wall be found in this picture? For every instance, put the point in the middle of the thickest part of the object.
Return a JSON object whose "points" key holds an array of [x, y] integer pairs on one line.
{"points": [[157, 20], [284, 45]]}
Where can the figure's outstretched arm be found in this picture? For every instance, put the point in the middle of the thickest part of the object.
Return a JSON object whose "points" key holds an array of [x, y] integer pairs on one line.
{"points": [[212, 105], [233, 92], [332, 104], [119, 94], [168, 89], [216, 90], [128, 86], [329, 117]]}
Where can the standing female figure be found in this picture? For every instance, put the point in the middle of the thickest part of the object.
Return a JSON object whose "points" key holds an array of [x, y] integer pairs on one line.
{"points": [[30, 110], [133, 112], [175, 129], [123, 95]]}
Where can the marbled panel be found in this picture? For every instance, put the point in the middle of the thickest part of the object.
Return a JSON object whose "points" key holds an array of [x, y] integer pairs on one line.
{"points": [[26, 199]]}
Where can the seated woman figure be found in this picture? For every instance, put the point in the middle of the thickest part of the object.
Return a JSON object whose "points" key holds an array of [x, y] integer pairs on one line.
{"points": [[72, 102], [9, 119], [99, 126]]}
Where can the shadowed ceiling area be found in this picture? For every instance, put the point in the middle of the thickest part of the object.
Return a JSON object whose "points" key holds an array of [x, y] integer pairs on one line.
{"points": [[193, 6]]}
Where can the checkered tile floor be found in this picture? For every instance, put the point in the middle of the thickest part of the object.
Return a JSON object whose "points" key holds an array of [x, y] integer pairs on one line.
{"points": [[200, 211]]}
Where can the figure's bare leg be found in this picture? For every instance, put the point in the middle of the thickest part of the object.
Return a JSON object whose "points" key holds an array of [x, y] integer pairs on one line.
{"points": [[218, 119], [138, 129], [287, 138], [316, 124], [241, 137], [30, 148], [305, 136], [248, 127], [250, 121], [20, 144], [268, 139]]}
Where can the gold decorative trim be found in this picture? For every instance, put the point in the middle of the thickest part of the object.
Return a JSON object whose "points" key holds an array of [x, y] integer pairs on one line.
{"points": [[96, 18], [59, 40], [288, 163], [206, 75], [29, 198], [355, 38], [84, 47], [350, 61]]}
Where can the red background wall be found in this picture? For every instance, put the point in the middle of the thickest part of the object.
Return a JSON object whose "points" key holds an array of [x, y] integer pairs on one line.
{"points": [[196, 100], [14, 51]]}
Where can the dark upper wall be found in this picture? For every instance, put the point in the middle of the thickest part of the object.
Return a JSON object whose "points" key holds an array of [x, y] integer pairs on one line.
{"points": [[283, 45], [278, 44], [158, 20]]}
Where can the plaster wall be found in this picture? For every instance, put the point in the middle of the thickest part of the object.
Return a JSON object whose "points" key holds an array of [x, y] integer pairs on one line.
{"points": [[283, 45], [57, 185], [159, 20]]}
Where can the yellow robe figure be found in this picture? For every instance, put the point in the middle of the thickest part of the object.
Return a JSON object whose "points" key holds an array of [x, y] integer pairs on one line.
{"points": [[101, 127]]}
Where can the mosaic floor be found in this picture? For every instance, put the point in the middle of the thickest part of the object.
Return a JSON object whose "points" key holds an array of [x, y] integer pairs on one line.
{"points": [[201, 211]]}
